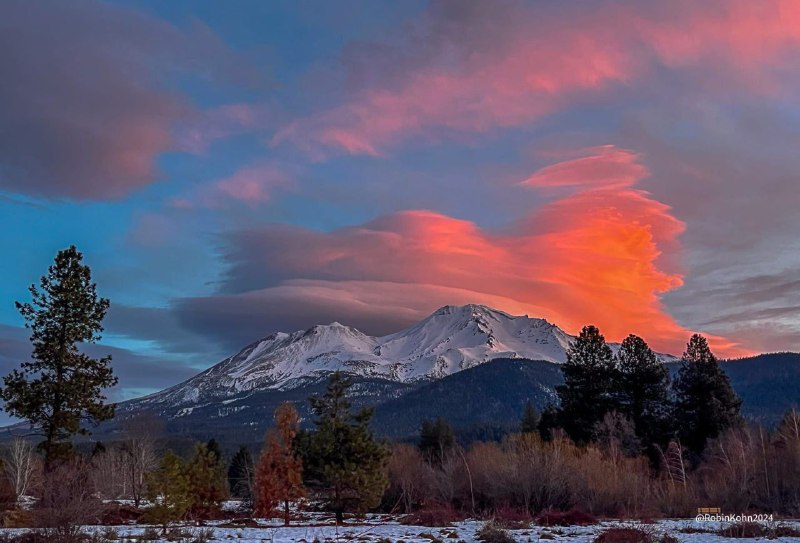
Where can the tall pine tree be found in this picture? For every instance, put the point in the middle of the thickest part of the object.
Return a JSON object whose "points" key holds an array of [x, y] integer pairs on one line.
{"points": [[589, 382], [643, 392], [61, 388], [341, 458], [705, 402]]}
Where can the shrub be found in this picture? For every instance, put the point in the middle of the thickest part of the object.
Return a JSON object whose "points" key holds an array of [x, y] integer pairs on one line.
{"points": [[572, 517], [116, 514], [753, 529], [512, 518], [633, 534], [433, 516], [783, 530], [110, 534], [491, 533], [149, 534], [67, 501], [16, 518], [744, 529]]}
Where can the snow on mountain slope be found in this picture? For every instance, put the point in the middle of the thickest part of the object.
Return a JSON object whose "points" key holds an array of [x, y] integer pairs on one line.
{"points": [[451, 339]]}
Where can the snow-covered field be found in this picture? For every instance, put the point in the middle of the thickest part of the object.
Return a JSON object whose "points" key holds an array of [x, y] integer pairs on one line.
{"points": [[383, 529]]}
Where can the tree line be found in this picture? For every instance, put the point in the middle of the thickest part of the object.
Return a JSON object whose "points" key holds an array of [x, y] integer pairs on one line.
{"points": [[629, 396]]}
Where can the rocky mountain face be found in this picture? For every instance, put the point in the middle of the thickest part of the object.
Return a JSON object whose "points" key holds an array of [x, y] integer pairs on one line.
{"points": [[452, 339]]}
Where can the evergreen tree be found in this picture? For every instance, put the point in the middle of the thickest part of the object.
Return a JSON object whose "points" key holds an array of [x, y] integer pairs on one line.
{"points": [[643, 392], [589, 380], [279, 476], [530, 419], [61, 388], [548, 422], [168, 490], [208, 484], [213, 447], [705, 403], [241, 474], [436, 439], [341, 458]]}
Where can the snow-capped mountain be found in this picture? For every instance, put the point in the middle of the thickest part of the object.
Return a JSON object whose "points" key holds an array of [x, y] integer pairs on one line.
{"points": [[452, 339]]}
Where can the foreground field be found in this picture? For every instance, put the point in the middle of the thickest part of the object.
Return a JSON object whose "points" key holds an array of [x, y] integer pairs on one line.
{"points": [[384, 529]]}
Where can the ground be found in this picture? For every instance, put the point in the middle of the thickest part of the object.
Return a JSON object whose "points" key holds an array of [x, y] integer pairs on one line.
{"points": [[379, 528]]}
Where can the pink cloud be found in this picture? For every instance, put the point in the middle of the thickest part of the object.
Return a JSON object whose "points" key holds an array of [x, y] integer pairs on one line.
{"points": [[87, 120], [607, 166], [251, 185], [471, 69], [603, 254]]}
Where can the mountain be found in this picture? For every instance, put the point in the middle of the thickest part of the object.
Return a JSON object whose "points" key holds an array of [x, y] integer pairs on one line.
{"points": [[481, 402], [452, 339]]}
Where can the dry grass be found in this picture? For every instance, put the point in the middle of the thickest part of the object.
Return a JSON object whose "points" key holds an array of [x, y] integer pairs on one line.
{"points": [[435, 516], [572, 517], [491, 533]]}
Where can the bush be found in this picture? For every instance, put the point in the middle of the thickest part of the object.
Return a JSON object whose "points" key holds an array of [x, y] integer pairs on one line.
{"points": [[572, 517], [116, 514], [16, 518], [67, 501], [744, 529], [434, 516], [511, 518], [491, 533], [633, 534], [782, 530], [753, 529]]}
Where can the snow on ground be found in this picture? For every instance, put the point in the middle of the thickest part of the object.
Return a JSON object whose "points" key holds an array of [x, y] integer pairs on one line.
{"points": [[380, 528]]}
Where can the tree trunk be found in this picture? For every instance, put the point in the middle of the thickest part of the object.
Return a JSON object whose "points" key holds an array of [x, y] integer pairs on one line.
{"points": [[286, 513]]}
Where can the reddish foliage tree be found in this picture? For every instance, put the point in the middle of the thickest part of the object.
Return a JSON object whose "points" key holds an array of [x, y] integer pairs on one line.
{"points": [[279, 476]]}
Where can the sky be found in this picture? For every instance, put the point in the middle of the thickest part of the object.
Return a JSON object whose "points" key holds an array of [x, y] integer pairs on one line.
{"points": [[231, 169]]}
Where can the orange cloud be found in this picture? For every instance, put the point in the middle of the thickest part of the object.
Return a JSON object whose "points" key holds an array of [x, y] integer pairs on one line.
{"points": [[602, 254], [474, 69]]}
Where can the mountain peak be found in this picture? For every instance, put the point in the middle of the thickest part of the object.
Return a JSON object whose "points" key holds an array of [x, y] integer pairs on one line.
{"points": [[451, 339]]}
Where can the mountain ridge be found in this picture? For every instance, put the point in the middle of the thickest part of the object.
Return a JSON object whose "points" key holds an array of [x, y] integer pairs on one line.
{"points": [[451, 339]]}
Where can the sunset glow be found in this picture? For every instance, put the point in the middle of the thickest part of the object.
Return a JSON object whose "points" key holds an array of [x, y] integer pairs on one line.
{"points": [[233, 173]]}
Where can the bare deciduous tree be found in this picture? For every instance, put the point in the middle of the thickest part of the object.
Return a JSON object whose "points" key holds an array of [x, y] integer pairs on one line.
{"points": [[140, 448], [22, 466]]}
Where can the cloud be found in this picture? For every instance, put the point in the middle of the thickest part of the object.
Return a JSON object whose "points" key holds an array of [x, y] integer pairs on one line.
{"points": [[606, 166], [251, 185], [471, 67], [85, 111], [602, 254], [136, 372]]}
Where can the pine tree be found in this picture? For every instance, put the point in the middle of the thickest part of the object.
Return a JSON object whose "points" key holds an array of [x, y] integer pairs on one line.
{"points": [[705, 402], [61, 388], [279, 476], [548, 422], [643, 392], [207, 482], [341, 458], [436, 439], [530, 419], [241, 474], [589, 380], [168, 490], [213, 447]]}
